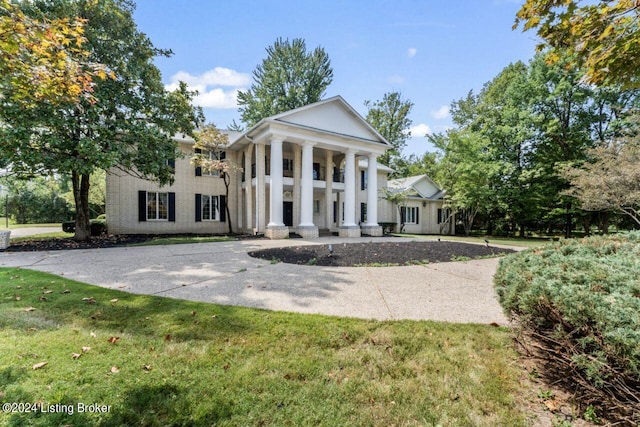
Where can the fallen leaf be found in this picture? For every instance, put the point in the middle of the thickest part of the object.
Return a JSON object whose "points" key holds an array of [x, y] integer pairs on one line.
{"points": [[93, 335], [552, 405], [167, 337], [114, 370], [113, 340], [494, 324], [29, 309], [215, 316], [43, 299], [66, 291], [39, 365], [89, 300], [17, 297], [75, 356], [147, 367], [193, 313], [32, 329], [113, 301], [85, 349], [48, 292]]}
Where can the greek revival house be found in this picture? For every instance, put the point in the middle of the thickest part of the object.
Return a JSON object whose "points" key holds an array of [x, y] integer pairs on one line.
{"points": [[309, 169]]}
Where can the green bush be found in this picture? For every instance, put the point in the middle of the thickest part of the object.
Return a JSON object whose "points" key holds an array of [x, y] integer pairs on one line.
{"points": [[98, 226], [582, 298]]}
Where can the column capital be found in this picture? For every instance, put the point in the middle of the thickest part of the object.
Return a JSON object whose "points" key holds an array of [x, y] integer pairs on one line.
{"points": [[276, 138], [307, 143], [350, 151]]}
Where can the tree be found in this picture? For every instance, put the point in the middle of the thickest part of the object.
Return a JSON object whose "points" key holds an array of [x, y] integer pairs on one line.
{"points": [[467, 173], [611, 181], [289, 77], [210, 139], [390, 117], [128, 124], [603, 38], [44, 60], [398, 198]]}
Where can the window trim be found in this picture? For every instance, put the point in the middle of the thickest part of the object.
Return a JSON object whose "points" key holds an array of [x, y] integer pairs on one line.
{"points": [[410, 218], [216, 211], [157, 197]]}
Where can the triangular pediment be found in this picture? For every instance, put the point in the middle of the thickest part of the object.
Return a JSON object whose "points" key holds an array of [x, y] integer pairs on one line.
{"points": [[332, 115]]}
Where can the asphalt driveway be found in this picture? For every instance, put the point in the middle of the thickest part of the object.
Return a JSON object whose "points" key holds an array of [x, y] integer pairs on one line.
{"points": [[223, 273]]}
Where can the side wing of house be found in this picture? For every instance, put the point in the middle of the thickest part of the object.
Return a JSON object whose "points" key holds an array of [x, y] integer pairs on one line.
{"points": [[195, 203], [424, 211]]}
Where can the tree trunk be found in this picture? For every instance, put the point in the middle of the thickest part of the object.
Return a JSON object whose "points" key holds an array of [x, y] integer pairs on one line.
{"points": [[227, 181], [569, 220], [81, 197], [604, 222]]}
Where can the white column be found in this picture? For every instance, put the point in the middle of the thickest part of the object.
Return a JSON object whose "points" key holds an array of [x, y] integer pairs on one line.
{"points": [[350, 189], [261, 200], [306, 185], [328, 193], [372, 191], [275, 205], [248, 187]]}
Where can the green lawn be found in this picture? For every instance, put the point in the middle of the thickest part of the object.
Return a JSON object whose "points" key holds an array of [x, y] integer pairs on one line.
{"points": [[12, 225], [157, 361], [528, 242]]}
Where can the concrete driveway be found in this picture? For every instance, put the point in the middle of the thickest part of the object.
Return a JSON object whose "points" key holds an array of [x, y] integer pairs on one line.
{"points": [[223, 273], [33, 231]]}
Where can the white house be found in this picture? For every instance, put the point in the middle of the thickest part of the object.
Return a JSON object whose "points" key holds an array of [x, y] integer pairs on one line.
{"points": [[309, 169], [424, 210]]}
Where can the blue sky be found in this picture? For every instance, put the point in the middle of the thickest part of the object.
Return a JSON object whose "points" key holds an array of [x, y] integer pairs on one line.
{"points": [[433, 51]]}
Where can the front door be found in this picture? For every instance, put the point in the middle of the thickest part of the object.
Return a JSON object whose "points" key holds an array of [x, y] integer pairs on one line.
{"points": [[287, 213]]}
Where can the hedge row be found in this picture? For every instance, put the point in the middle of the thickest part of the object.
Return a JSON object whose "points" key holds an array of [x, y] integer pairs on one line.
{"points": [[582, 298]]}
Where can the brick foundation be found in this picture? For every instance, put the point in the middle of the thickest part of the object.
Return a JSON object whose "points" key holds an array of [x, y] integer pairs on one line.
{"points": [[353, 231], [371, 230], [308, 232]]}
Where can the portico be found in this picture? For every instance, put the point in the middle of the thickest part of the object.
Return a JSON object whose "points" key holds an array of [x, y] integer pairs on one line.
{"points": [[301, 170]]}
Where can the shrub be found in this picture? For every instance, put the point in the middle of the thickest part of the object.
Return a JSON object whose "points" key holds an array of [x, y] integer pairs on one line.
{"points": [[580, 299], [98, 226]]}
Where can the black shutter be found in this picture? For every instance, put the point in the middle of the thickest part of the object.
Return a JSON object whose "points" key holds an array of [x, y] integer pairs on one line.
{"points": [[142, 205], [223, 208], [417, 215], [198, 207], [172, 207], [198, 169], [172, 163], [402, 215], [223, 155], [362, 180]]}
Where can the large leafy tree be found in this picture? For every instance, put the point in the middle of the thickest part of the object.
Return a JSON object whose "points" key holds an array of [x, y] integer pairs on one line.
{"points": [[129, 122], [42, 59], [610, 181], [468, 173], [603, 37], [289, 77], [390, 117]]}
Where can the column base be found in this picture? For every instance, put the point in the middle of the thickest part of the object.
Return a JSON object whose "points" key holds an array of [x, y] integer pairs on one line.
{"points": [[371, 230], [308, 231], [277, 232], [349, 231]]}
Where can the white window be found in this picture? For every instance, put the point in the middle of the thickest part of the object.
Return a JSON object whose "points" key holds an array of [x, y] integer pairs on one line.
{"points": [[316, 206], [157, 206], [210, 208], [411, 215]]}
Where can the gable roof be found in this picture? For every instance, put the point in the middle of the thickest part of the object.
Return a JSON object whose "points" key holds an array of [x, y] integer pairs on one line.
{"points": [[423, 187], [333, 116]]}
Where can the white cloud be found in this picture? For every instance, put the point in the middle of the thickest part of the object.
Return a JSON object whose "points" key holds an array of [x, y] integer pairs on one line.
{"points": [[219, 76], [218, 98], [211, 95], [441, 113], [412, 52], [420, 130]]}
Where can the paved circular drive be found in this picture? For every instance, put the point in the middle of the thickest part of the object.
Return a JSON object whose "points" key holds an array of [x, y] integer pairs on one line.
{"points": [[223, 273]]}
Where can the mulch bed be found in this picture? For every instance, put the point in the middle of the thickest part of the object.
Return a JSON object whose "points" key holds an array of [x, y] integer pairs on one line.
{"points": [[68, 243], [378, 253]]}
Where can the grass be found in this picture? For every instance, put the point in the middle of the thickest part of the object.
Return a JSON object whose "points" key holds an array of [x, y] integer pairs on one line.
{"points": [[186, 363], [183, 240], [46, 236], [13, 225], [529, 242]]}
